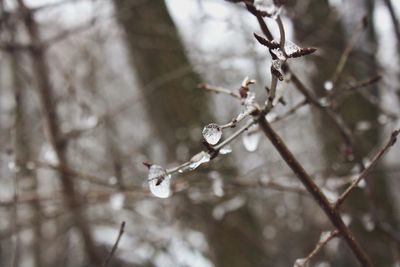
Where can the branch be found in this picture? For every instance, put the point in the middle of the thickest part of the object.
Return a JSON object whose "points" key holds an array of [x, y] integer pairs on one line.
{"points": [[114, 248], [320, 245], [314, 190], [368, 170]]}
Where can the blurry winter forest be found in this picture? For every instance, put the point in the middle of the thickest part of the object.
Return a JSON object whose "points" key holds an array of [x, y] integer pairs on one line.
{"points": [[199, 133]]}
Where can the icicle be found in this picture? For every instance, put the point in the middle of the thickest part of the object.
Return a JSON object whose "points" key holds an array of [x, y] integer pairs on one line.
{"points": [[159, 181], [199, 159], [212, 133]]}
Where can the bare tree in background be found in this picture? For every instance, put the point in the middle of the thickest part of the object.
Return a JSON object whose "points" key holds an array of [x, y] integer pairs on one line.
{"points": [[74, 191]]}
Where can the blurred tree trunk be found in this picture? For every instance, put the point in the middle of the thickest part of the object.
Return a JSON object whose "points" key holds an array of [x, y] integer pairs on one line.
{"points": [[51, 125], [26, 177], [158, 55], [332, 41]]}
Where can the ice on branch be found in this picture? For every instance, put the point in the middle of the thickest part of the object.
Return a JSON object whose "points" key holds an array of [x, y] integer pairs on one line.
{"points": [[250, 99], [212, 133], [159, 181], [325, 236], [198, 159], [225, 150], [291, 48], [268, 8]]}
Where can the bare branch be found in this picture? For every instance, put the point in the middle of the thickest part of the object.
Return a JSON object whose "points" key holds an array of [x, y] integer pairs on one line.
{"points": [[114, 248], [369, 168]]}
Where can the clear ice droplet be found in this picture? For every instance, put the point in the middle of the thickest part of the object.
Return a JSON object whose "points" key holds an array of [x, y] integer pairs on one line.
{"points": [[225, 150], [212, 133], [291, 47], [324, 236], [199, 159], [159, 181]]}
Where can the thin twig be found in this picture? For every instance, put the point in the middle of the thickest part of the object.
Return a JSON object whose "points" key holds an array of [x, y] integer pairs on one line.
{"points": [[114, 248], [320, 245], [314, 190], [344, 57], [369, 168], [217, 90], [282, 35]]}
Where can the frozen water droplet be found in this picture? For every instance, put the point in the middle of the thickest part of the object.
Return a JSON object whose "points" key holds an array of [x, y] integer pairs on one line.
{"points": [[159, 181], [199, 159], [279, 54], [251, 141], [277, 64], [269, 7], [328, 85], [117, 201], [324, 236], [300, 263], [291, 47], [249, 100], [212, 133], [225, 150], [362, 184]]}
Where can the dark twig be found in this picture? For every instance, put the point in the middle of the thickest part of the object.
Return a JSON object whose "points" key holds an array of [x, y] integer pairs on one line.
{"points": [[320, 245], [369, 168], [314, 190], [114, 248]]}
